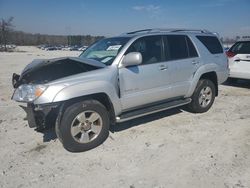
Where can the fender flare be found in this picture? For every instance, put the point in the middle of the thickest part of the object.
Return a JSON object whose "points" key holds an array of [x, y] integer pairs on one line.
{"points": [[86, 89], [212, 67]]}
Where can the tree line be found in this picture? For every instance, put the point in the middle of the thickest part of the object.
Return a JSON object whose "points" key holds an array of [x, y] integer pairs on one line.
{"points": [[22, 38], [10, 36]]}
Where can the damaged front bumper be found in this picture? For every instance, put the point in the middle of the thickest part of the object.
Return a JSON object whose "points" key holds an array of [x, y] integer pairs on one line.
{"points": [[41, 116]]}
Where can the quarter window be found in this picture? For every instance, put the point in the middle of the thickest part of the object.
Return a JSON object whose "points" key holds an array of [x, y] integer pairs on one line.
{"points": [[212, 44]]}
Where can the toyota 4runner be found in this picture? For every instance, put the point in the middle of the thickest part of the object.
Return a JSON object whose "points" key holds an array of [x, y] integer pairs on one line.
{"points": [[120, 78]]}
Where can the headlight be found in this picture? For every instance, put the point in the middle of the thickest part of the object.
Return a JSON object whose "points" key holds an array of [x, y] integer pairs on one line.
{"points": [[28, 92]]}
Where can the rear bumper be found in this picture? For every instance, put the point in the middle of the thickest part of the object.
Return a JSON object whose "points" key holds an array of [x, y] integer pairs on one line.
{"points": [[241, 75], [41, 116]]}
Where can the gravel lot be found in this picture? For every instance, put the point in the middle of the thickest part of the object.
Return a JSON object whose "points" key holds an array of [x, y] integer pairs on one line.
{"points": [[173, 148]]}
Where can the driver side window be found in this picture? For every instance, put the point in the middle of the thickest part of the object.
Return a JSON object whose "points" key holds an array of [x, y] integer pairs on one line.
{"points": [[150, 48]]}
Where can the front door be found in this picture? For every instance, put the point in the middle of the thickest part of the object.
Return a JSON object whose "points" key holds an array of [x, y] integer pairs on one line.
{"points": [[148, 82]]}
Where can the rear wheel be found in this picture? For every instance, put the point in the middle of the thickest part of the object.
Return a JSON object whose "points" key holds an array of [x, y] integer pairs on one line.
{"points": [[83, 126], [203, 96]]}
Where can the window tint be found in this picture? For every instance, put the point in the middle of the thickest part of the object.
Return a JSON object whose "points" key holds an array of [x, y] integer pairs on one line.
{"points": [[191, 49], [176, 47], [212, 44], [241, 48], [150, 48]]}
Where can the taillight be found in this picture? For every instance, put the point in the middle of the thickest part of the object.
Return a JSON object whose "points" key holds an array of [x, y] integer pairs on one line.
{"points": [[230, 54]]}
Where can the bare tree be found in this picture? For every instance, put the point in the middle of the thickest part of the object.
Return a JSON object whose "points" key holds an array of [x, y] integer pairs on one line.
{"points": [[5, 27]]}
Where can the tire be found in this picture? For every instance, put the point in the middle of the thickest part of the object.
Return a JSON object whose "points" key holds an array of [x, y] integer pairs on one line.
{"points": [[83, 126], [202, 102]]}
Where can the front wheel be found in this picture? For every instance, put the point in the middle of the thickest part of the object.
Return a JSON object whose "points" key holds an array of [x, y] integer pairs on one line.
{"points": [[203, 96], [83, 126]]}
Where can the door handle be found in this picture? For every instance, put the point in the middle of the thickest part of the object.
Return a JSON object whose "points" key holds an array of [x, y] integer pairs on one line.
{"points": [[163, 67], [195, 62]]}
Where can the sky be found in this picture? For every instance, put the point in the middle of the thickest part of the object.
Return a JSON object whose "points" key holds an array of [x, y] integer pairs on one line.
{"points": [[229, 18]]}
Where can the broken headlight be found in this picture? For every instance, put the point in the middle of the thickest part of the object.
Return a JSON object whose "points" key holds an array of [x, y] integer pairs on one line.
{"points": [[28, 92]]}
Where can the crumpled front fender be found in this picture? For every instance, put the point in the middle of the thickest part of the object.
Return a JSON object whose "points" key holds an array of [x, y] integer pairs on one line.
{"points": [[94, 87]]}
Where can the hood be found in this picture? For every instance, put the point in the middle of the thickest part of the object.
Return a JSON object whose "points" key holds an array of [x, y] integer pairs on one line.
{"points": [[42, 71]]}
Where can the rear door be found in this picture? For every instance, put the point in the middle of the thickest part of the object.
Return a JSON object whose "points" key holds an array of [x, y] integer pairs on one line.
{"points": [[183, 62], [148, 82]]}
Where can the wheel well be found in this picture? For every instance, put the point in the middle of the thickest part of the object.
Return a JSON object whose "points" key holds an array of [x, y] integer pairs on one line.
{"points": [[213, 77], [101, 97]]}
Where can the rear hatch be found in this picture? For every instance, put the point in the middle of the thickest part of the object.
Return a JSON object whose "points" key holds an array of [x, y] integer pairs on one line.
{"points": [[239, 57]]}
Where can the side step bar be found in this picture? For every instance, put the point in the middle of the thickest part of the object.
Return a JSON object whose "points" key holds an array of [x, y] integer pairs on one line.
{"points": [[151, 109]]}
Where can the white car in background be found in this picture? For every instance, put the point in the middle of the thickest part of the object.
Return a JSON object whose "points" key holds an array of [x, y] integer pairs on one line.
{"points": [[239, 60], [82, 48]]}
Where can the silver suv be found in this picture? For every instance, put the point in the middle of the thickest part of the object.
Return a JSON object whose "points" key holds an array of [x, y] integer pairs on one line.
{"points": [[121, 78]]}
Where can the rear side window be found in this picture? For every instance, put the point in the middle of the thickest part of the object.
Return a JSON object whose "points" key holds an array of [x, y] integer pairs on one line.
{"points": [[175, 47], [179, 47], [241, 48], [212, 44]]}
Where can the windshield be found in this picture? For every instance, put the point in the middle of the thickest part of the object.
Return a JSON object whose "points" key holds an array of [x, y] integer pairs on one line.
{"points": [[105, 50]]}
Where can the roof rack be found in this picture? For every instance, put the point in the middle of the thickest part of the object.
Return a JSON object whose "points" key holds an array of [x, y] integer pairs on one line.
{"points": [[192, 30], [154, 30], [140, 31]]}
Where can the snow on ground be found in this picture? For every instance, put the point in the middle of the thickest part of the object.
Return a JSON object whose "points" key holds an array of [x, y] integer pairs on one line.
{"points": [[173, 148]]}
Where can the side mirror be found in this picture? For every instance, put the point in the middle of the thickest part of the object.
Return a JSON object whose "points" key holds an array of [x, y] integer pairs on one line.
{"points": [[132, 58]]}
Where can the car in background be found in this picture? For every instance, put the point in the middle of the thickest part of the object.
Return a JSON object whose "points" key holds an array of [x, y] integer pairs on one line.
{"points": [[74, 48], [83, 48], [239, 60], [51, 48], [65, 48], [43, 47], [8, 46]]}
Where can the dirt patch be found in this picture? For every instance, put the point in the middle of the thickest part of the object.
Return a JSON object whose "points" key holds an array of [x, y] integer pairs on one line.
{"points": [[38, 148]]}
